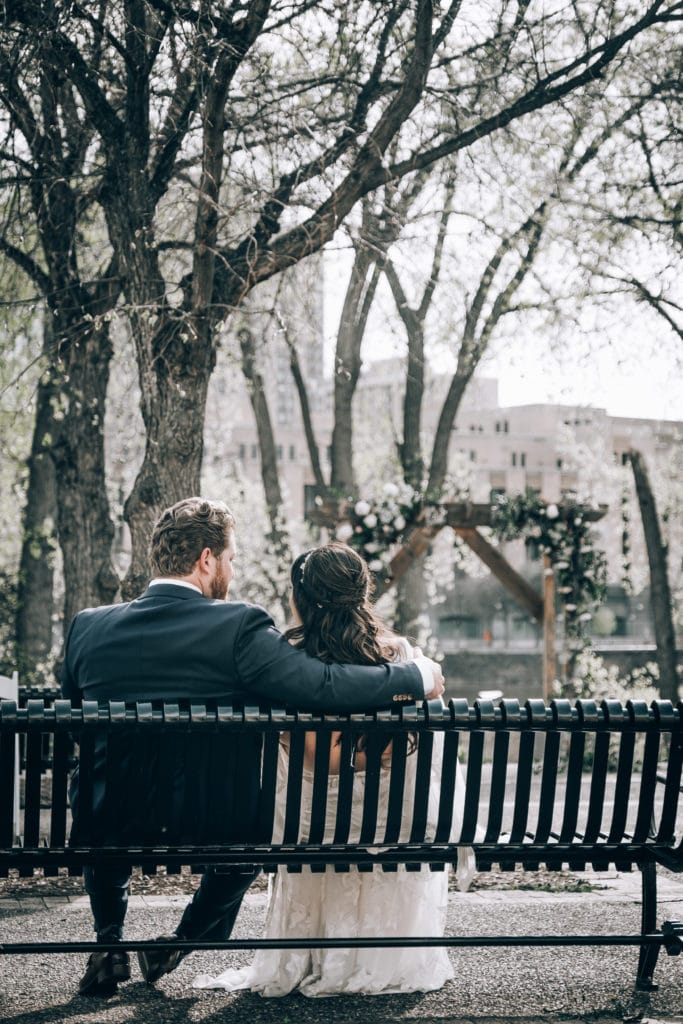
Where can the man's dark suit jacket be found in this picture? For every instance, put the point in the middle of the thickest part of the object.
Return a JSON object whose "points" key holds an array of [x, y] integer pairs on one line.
{"points": [[174, 644]]}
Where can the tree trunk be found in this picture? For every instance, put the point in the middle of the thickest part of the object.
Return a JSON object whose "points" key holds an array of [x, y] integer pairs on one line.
{"points": [[347, 364], [660, 593], [84, 526], [35, 594], [173, 406], [270, 476], [439, 464], [412, 616]]}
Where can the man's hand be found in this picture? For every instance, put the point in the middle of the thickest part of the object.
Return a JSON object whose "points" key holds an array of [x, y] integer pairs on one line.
{"points": [[438, 681]]}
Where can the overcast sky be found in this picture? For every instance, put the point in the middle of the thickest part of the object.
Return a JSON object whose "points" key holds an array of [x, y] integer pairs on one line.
{"points": [[629, 369]]}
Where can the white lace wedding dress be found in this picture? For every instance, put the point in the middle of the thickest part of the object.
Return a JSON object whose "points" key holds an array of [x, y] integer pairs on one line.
{"points": [[366, 904]]}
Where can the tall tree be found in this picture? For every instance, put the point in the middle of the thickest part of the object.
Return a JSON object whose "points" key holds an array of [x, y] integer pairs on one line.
{"points": [[35, 586], [271, 145], [48, 140]]}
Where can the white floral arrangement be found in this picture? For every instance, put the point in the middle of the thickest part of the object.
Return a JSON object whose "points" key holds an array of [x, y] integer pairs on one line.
{"points": [[564, 534], [374, 525]]}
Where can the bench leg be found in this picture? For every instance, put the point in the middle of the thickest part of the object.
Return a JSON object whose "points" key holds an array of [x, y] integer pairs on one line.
{"points": [[647, 960]]}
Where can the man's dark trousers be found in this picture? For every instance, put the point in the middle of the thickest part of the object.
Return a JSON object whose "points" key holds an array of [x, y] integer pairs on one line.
{"points": [[210, 915]]}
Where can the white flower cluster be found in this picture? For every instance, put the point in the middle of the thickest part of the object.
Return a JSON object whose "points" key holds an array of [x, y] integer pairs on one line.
{"points": [[377, 523]]}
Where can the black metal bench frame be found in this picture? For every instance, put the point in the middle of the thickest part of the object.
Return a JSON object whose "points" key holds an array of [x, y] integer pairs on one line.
{"points": [[571, 746]]}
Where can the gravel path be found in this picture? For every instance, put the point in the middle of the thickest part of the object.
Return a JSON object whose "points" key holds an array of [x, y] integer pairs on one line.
{"points": [[492, 985]]}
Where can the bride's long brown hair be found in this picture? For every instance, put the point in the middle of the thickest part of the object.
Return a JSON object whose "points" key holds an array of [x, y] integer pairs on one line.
{"points": [[331, 589]]}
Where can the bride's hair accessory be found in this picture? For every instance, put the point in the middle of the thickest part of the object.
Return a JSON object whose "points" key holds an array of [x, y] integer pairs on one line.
{"points": [[333, 582]]}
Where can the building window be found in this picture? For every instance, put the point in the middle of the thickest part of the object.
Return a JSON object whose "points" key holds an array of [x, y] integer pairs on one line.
{"points": [[496, 492], [292, 453], [243, 452], [522, 459], [460, 627], [558, 463], [514, 458], [278, 452], [506, 426], [254, 451], [498, 426], [473, 456]]}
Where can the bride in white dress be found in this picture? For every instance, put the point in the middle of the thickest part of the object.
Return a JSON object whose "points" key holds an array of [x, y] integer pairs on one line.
{"points": [[334, 619]]}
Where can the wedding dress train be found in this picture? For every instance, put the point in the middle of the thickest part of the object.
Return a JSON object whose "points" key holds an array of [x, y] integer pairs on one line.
{"points": [[367, 904]]}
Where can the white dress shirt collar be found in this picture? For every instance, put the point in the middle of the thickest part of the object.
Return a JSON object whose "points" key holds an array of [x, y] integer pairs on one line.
{"points": [[175, 582]]}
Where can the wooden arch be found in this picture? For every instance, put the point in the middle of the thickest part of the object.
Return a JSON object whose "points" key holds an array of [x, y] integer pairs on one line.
{"points": [[465, 518]]}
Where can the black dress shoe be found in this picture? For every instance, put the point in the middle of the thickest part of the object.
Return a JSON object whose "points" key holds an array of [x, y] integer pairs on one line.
{"points": [[155, 963], [104, 972]]}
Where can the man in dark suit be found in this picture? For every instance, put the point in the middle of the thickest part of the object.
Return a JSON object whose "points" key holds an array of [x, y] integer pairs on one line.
{"points": [[182, 640]]}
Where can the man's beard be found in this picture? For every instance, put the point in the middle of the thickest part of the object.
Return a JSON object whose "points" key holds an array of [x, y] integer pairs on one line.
{"points": [[218, 589]]}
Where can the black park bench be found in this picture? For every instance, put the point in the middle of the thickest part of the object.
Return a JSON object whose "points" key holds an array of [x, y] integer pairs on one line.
{"points": [[561, 786]]}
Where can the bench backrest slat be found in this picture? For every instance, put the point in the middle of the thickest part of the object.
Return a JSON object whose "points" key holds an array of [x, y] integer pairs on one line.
{"points": [[294, 781], [86, 770], [342, 825], [34, 749], [271, 749], [648, 780], [60, 776], [572, 794], [447, 789], [596, 797], [397, 778], [8, 746], [551, 755], [501, 746], [672, 787], [525, 766], [320, 787], [475, 756], [423, 776], [374, 743], [622, 788]]}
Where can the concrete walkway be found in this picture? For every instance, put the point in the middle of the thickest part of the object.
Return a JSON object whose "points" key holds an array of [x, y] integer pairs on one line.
{"points": [[518, 984]]}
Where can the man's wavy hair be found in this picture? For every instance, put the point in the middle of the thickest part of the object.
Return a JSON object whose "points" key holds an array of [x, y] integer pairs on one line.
{"points": [[183, 531]]}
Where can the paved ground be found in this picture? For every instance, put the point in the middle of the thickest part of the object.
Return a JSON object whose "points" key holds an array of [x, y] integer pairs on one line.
{"points": [[522, 985]]}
